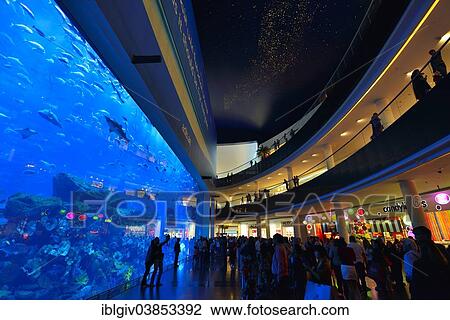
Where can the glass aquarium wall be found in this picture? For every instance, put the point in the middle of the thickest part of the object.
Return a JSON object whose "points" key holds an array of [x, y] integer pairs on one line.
{"points": [[71, 137]]}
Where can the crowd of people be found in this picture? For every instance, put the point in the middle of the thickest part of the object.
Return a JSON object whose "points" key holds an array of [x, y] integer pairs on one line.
{"points": [[282, 268]]}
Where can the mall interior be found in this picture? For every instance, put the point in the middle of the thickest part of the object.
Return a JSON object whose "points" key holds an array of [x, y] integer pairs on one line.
{"points": [[233, 149]]}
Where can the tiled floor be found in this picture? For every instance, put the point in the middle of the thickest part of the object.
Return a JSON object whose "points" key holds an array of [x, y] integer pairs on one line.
{"points": [[218, 282], [189, 283]]}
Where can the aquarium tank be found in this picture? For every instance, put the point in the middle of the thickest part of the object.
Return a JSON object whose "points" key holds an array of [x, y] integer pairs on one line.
{"points": [[72, 137]]}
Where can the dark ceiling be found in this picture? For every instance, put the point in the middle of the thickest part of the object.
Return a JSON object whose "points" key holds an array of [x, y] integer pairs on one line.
{"points": [[265, 57]]}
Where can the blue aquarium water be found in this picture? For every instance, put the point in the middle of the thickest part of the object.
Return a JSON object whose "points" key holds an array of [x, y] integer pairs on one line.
{"points": [[68, 125]]}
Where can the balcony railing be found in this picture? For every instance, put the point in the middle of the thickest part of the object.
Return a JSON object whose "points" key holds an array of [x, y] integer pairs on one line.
{"points": [[348, 73], [403, 103]]}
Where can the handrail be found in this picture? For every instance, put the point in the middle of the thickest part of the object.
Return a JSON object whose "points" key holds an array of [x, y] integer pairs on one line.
{"points": [[317, 95], [365, 127]]}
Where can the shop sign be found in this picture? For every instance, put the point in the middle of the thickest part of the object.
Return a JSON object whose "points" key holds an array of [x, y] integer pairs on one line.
{"points": [[401, 207]]}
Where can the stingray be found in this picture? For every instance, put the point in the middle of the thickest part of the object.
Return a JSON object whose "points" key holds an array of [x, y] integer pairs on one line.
{"points": [[26, 132]]}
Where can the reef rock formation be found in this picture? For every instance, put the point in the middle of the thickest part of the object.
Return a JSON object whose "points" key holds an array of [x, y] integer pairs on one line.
{"points": [[28, 205], [65, 185]]}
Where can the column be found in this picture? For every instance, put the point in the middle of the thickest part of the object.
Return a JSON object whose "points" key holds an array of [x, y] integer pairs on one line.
{"points": [[300, 229], [340, 224], [202, 216], [290, 175], [258, 226], [328, 154], [387, 117], [413, 203], [267, 228]]}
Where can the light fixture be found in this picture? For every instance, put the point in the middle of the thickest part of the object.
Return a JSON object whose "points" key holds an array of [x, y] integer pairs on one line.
{"points": [[360, 120], [268, 178], [279, 173], [248, 185], [314, 155], [345, 133], [304, 161], [240, 188], [442, 198], [445, 37]]}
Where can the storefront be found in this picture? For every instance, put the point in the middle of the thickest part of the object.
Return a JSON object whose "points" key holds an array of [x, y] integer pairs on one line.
{"points": [[391, 220]]}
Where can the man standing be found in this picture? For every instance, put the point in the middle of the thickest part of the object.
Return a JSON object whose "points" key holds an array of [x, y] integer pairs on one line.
{"points": [[176, 250], [280, 267], [360, 262], [155, 257]]}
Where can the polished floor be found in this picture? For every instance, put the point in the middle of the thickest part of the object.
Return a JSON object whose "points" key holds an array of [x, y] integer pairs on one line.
{"points": [[187, 282], [218, 282]]}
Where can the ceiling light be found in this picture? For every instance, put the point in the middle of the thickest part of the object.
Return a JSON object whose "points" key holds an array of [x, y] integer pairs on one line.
{"points": [[314, 155], [279, 173], [248, 185], [345, 133], [360, 120], [240, 188], [268, 178], [445, 37], [304, 161]]}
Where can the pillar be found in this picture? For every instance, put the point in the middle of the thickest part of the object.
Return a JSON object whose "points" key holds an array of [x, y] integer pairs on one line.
{"points": [[328, 154], [258, 226], [387, 117], [267, 229], [290, 175], [340, 224], [202, 215], [413, 203], [300, 229]]}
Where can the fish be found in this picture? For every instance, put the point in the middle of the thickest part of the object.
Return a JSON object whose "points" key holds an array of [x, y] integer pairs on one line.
{"points": [[39, 31], [72, 35], [22, 27], [26, 132], [36, 45], [24, 78], [61, 13], [15, 60], [77, 50], [2, 115], [97, 86], [29, 172], [78, 73], [48, 165], [63, 60], [61, 134], [50, 60], [118, 93], [27, 10], [50, 117], [91, 55], [83, 67], [61, 80], [115, 127], [67, 55]]}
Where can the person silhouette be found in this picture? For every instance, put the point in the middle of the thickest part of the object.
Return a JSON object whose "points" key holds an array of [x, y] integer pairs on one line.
{"points": [[176, 250], [154, 257]]}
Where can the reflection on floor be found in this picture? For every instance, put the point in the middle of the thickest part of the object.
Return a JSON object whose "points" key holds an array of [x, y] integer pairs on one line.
{"points": [[189, 283]]}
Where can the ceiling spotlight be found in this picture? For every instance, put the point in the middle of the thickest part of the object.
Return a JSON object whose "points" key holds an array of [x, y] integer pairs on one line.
{"points": [[279, 173], [304, 161], [345, 133], [314, 155], [360, 120], [445, 37], [268, 178]]}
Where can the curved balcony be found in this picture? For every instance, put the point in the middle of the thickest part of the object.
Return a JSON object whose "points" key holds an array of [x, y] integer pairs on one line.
{"points": [[421, 134], [349, 73]]}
